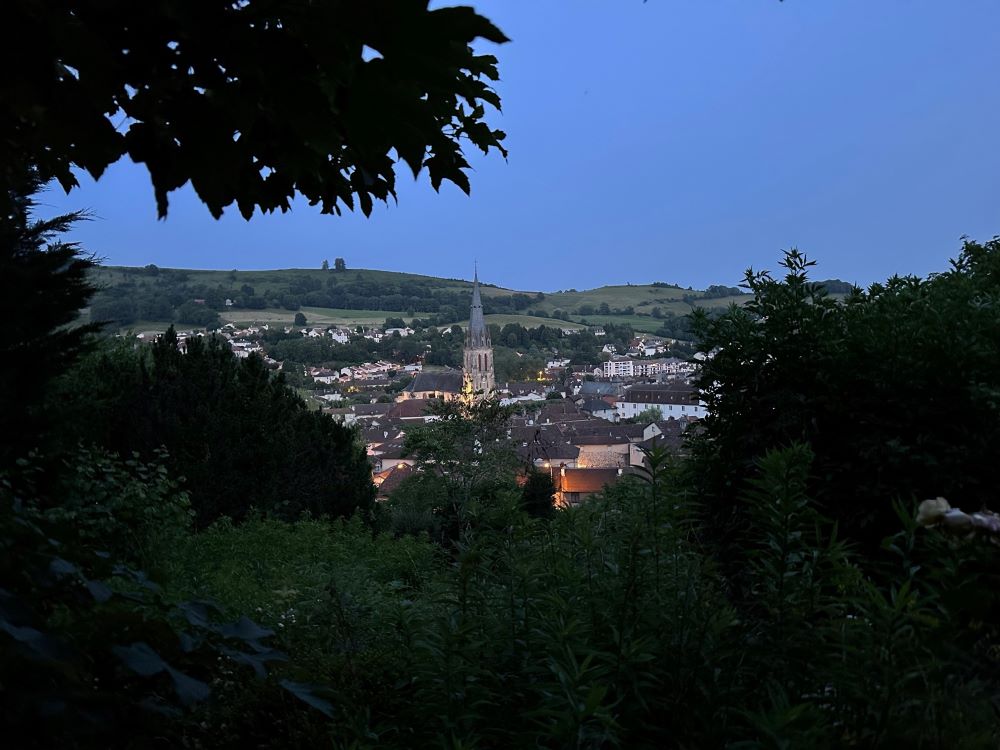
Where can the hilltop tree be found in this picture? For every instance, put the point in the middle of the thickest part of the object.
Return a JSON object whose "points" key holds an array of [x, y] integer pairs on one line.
{"points": [[326, 265], [339, 264], [184, 89]]}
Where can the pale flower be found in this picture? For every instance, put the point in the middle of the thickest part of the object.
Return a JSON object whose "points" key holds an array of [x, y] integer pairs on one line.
{"points": [[933, 511]]}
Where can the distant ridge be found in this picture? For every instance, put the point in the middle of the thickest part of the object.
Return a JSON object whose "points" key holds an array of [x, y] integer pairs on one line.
{"points": [[156, 296]]}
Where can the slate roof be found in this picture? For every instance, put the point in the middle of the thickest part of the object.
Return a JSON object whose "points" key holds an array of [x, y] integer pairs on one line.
{"points": [[370, 410], [599, 440], [523, 389], [391, 449], [602, 428], [595, 388], [376, 434], [411, 408], [449, 381], [548, 452], [561, 411], [665, 393], [596, 404]]}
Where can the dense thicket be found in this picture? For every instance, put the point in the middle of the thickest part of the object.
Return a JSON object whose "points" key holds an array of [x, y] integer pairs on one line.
{"points": [[242, 438], [894, 389]]}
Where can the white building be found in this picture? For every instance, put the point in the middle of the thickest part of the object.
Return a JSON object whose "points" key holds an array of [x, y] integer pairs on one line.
{"points": [[625, 367], [673, 400], [340, 335]]}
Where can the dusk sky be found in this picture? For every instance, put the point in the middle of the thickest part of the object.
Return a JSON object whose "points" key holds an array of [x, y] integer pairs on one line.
{"points": [[662, 141]]}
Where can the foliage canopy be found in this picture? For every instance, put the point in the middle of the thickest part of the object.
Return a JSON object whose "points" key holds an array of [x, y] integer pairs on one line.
{"points": [[894, 388], [252, 101]]}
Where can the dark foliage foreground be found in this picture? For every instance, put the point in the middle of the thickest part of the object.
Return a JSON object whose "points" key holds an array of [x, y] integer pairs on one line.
{"points": [[606, 626]]}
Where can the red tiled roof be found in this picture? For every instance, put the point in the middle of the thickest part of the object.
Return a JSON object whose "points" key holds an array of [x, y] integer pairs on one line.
{"points": [[393, 479], [583, 480]]}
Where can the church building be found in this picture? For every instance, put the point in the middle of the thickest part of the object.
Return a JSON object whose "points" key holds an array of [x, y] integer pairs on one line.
{"points": [[478, 380]]}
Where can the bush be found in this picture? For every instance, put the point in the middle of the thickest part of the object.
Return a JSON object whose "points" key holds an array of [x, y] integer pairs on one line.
{"points": [[897, 402], [240, 436]]}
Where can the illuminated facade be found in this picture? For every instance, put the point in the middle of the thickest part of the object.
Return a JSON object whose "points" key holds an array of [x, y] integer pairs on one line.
{"points": [[478, 380]]}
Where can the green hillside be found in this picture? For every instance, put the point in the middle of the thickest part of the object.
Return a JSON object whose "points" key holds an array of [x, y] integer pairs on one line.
{"points": [[152, 298]]}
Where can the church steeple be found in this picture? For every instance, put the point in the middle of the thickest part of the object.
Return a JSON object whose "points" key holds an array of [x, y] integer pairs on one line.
{"points": [[478, 334], [477, 371]]}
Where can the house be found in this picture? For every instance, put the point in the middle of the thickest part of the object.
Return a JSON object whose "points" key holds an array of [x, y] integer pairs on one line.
{"points": [[672, 399], [340, 335], [445, 385], [559, 412], [598, 389], [324, 375], [243, 349], [629, 367], [389, 454], [601, 451], [373, 370], [525, 391], [544, 447], [411, 410], [573, 486], [403, 332], [599, 408], [668, 434], [388, 480]]}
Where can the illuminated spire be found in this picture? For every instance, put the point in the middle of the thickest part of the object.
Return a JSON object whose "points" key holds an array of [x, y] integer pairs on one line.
{"points": [[479, 334]]}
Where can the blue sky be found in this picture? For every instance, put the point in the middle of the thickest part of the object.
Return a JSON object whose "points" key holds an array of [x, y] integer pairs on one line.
{"points": [[671, 140]]}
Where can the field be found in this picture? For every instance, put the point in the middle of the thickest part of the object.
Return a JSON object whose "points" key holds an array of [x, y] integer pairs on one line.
{"points": [[322, 316], [642, 298], [643, 323], [528, 321]]}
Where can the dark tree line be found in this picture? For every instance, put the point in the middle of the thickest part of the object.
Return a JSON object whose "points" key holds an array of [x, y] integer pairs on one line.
{"points": [[242, 438], [169, 295]]}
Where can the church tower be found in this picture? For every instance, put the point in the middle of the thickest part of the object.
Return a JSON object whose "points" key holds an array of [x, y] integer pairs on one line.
{"points": [[477, 371]]}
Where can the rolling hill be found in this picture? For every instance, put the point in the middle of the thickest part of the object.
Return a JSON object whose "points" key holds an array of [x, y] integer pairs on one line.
{"points": [[150, 298]]}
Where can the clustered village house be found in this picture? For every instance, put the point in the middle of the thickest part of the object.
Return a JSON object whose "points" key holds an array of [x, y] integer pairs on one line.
{"points": [[577, 422]]}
